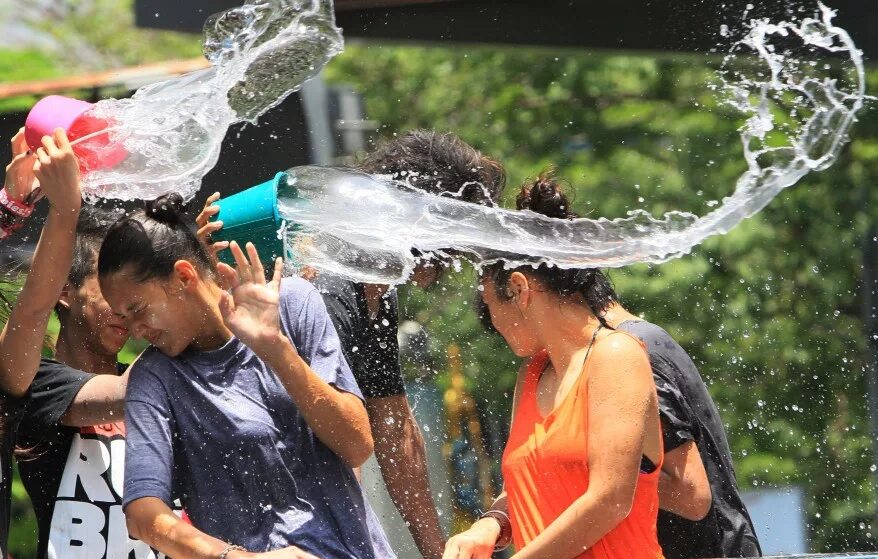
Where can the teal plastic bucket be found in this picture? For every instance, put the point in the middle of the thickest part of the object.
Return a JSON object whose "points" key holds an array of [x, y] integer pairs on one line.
{"points": [[251, 216]]}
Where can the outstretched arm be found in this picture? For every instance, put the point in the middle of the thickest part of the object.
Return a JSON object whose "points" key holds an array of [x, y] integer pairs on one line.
{"points": [[400, 451], [21, 340]]}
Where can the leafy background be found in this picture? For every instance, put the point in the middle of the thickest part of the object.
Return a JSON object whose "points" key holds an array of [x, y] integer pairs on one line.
{"points": [[772, 312]]}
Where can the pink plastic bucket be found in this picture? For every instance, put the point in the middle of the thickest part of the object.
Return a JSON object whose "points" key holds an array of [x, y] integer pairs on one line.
{"points": [[56, 111]]}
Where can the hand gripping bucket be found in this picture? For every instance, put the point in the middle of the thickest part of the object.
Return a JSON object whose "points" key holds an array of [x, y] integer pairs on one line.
{"points": [[56, 111], [252, 216]]}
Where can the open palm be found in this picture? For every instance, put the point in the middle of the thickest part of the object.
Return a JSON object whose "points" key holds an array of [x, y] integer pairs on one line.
{"points": [[250, 309]]}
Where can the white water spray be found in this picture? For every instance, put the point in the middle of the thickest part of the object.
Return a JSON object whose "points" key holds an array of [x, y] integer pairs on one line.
{"points": [[172, 131], [364, 227]]}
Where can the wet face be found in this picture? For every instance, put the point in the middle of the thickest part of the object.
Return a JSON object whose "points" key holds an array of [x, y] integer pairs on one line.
{"points": [[429, 269], [509, 315], [155, 310], [90, 314], [426, 274]]}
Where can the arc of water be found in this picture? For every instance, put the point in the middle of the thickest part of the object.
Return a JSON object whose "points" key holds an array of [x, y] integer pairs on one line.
{"points": [[364, 228]]}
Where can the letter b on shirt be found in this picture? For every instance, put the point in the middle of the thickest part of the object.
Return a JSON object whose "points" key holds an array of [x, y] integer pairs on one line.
{"points": [[76, 531]]}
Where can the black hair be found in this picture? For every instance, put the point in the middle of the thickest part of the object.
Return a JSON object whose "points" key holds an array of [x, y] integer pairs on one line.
{"points": [[150, 242], [439, 163], [93, 224], [91, 228], [545, 196]]}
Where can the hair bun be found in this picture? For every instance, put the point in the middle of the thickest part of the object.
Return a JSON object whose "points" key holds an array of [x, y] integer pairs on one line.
{"points": [[545, 197], [166, 209]]}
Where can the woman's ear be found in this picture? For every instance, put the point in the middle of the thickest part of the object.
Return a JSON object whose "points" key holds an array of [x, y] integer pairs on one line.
{"points": [[518, 288], [186, 274]]}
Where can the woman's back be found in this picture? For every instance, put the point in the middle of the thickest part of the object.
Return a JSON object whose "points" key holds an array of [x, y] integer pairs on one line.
{"points": [[249, 469], [545, 468]]}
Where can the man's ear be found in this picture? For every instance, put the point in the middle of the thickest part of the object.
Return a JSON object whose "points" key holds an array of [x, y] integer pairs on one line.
{"points": [[64, 298], [186, 274]]}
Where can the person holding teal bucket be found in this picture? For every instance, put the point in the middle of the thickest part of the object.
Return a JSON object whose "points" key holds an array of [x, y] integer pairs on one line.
{"points": [[365, 315]]}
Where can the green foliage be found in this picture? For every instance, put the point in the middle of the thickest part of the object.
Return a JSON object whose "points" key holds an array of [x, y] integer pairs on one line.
{"points": [[771, 312], [85, 36], [100, 34]]}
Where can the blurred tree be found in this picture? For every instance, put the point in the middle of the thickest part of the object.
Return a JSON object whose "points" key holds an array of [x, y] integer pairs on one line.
{"points": [[770, 312]]}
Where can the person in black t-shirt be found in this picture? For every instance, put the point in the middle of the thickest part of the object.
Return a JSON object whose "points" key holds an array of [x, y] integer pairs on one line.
{"points": [[55, 170], [74, 427], [715, 523], [365, 316]]}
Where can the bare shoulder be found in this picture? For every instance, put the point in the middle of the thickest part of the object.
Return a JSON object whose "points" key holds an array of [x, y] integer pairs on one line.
{"points": [[620, 357]]}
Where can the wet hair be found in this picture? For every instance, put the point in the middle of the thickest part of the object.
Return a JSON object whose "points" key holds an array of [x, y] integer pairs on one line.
{"points": [[149, 243], [93, 224], [91, 228], [439, 163], [545, 196]]}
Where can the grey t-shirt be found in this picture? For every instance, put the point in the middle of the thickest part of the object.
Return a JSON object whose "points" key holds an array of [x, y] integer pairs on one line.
{"points": [[689, 414], [218, 429]]}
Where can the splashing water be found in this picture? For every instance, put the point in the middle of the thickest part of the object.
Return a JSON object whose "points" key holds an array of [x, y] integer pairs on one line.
{"points": [[365, 228], [172, 131]]}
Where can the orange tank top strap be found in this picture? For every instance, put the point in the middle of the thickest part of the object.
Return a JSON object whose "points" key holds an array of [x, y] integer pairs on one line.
{"points": [[535, 369], [528, 397]]}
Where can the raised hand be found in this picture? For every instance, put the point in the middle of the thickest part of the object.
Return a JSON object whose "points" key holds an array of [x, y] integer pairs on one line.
{"points": [[20, 183], [250, 308], [206, 226], [57, 170]]}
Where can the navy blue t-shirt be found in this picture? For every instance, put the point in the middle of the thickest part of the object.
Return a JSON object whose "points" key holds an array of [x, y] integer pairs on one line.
{"points": [[219, 430]]}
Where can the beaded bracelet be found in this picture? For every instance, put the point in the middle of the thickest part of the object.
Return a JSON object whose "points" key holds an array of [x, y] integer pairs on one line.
{"points": [[12, 214], [229, 549]]}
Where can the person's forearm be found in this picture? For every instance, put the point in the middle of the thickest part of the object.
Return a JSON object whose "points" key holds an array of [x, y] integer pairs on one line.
{"points": [[21, 340], [681, 496], [338, 418], [400, 451], [50, 264], [153, 522], [101, 400], [683, 486], [586, 521]]}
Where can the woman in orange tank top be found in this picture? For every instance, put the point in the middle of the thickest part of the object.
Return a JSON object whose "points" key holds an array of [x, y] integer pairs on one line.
{"points": [[582, 462]]}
